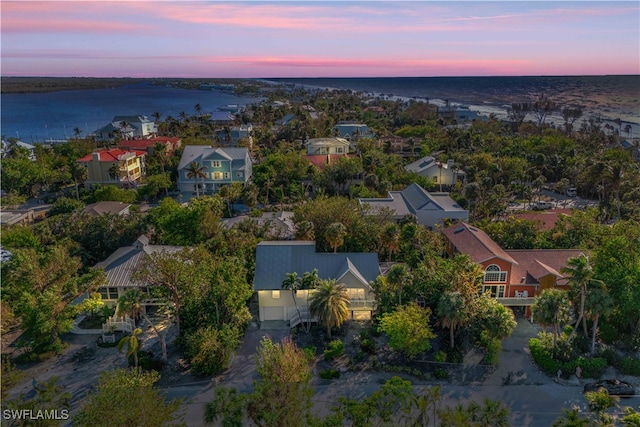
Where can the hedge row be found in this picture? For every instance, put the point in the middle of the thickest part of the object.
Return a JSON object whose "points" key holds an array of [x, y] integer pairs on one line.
{"points": [[591, 367]]}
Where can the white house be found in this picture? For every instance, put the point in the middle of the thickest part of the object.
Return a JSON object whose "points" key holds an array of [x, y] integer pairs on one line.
{"points": [[325, 146], [445, 174], [274, 259], [429, 209], [128, 127]]}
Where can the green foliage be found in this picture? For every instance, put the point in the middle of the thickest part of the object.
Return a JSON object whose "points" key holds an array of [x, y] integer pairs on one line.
{"points": [[310, 352], [491, 413], [104, 407], [440, 356], [329, 303], [493, 347], [49, 397], [542, 353], [210, 349], [228, 406], [65, 205], [335, 349], [629, 366], [10, 375], [441, 374], [114, 194], [408, 329], [19, 237], [330, 374]]}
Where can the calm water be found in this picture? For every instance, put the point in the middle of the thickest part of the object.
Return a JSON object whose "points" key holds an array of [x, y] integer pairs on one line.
{"points": [[34, 117]]}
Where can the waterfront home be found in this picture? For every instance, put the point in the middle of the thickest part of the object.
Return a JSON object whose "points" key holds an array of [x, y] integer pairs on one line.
{"points": [[115, 167], [429, 209], [219, 167], [274, 259], [170, 144], [127, 127], [235, 135]]}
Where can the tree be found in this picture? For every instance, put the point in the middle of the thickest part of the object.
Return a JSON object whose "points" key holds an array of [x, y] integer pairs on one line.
{"points": [[552, 307], [571, 418], [453, 313], [41, 287], [392, 239], [131, 303], [282, 396], [580, 275], [49, 397], [398, 277], [132, 342], [597, 303], [491, 414], [305, 231], [542, 107], [329, 303], [195, 171], [408, 329], [105, 406], [494, 317], [292, 283], [335, 234]]}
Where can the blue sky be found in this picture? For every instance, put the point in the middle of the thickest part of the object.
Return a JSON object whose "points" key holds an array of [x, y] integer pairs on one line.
{"points": [[319, 39]]}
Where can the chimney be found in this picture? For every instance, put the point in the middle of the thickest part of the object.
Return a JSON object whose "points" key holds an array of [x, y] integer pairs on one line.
{"points": [[95, 156]]}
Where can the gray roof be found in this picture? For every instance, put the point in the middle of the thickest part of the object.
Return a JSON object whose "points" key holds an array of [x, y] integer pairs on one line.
{"points": [[106, 207], [197, 153], [412, 199], [274, 259], [119, 266], [421, 164]]}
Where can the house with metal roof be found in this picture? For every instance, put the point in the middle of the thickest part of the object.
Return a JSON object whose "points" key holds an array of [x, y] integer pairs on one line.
{"points": [[122, 263], [324, 146], [107, 208], [274, 259], [513, 277], [353, 131], [222, 166], [128, 127], [442, 174], [429, 209]]}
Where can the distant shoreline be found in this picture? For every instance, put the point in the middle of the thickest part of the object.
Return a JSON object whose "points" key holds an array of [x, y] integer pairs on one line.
{"points": [[56, 84]]}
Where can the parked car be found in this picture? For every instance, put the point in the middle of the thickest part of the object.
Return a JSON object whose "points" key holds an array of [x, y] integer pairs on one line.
{"points": [[614, 387], [543, 205]]}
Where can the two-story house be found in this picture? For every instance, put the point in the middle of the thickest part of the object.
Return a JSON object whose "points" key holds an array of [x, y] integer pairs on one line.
{"points": [[514, 277], [128, 127], [170, 144], [429, 209], [220, 166], [115, 167], [274, 259], [324, 146], [442, 174]]}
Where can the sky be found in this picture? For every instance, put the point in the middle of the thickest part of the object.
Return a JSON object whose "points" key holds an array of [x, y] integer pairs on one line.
{"points": [[270, 39]]}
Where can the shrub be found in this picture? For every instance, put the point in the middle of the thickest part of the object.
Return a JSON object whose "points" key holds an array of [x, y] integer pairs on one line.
{"points": [[610, 355], [441, 374], [440, 356], [543, 357], [310, 352], [336, 349], [591, 367], [494, 348], [210, 349], [330, 374], [629, 366], [368, 346], [146, 361]]}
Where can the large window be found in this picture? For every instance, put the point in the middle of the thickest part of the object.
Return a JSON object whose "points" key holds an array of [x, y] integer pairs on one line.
{"points": [[217, 175], [493, 274], [109, 293], [215, 164], [496, 291], [356, 293]]}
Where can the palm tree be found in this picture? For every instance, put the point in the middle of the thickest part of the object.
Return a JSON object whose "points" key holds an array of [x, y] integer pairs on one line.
{"points": [[310, 280], [160, 152], [572, 418], [329, 303], [133, 345], [452, 311], [124, 126], [131, 304], [156, 116], [198, 109], [77, 132], [335, 234], [552, 307], [292, 283], [580, 276], [196, 171], [598, 303], [392, 239], [305, 230]]}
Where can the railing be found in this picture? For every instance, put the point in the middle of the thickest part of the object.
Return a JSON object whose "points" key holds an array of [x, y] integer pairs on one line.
{"points": [[125, 324], [513, 301], [362, 303]]}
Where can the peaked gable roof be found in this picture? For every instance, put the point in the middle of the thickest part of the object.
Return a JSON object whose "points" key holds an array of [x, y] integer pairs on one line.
{"points": [[536, 263], [197, 153], [110, 155], [422, 164], [476, 243], [412, 199], [274, 259]]}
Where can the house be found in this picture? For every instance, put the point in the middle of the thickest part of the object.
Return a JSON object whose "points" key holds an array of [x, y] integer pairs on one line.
{"points": [[222, 118], [6, 148], [442, 174], [221, 166], [279, 224], [352, 131], [107, 208], [316, 146], [129, 127], [286, 120], [233, 136], [429, 209], [115, 167], [514, 277], [122, 263], [274, 259], [171, 144]]}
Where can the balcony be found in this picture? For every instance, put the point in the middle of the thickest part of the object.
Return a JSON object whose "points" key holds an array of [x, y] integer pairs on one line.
{"points": [[515, 301], [362, 304]]}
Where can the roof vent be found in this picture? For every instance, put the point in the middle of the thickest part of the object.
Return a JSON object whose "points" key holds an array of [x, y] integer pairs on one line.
{"points": [[458, 230]]}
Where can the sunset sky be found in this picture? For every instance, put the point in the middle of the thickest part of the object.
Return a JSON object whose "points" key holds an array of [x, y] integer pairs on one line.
{"points": [[319, 39]]}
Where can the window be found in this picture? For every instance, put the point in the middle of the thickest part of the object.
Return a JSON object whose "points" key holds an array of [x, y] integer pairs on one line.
{"points": [[302, 294], [356, 293], [435, 179], [216, 164], [108, 293], [496, 291], [239, 174], [217, 175], [493, 274], [226, 175], [275, 294], [113, 293], [339, 150]]}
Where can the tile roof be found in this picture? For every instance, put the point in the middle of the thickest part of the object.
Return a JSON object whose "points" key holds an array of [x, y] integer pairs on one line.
{"points": [[536, 263], [274, 259], [547, 218], [476, 243], [110, 155]]}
